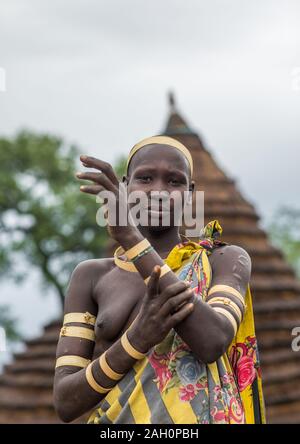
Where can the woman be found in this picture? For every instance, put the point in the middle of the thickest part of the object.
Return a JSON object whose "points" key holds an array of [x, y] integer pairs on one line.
{"points": [[162, 333]]}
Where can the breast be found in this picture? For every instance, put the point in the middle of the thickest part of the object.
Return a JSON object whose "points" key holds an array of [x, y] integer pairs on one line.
{"points": [[119, 295]]}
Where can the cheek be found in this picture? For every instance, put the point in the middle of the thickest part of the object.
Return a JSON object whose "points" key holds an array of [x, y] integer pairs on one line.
{"points": [[177, 200]]}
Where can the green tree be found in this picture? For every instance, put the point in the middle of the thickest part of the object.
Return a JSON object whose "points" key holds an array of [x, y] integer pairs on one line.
{"points": [[44, 219], [285, 234]]}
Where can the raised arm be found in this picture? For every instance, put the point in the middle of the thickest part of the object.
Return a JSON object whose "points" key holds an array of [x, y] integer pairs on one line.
{"points": [[209, 329]]}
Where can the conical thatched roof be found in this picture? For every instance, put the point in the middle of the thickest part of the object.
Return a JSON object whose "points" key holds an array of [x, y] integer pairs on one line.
{"points": [[26, 385]]}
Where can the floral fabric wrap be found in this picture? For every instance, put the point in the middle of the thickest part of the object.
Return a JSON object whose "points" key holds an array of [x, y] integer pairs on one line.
{"points": [[170, 385]]}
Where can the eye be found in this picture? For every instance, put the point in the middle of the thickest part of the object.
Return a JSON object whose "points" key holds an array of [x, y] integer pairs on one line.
{"points": [[176, 182], [144, 179]]}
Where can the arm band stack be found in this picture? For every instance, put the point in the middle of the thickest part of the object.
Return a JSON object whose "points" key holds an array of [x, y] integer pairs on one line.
{"points": [[76, 332], [227, 302]]}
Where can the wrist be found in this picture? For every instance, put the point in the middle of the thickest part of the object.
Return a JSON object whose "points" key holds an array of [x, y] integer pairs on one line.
{"points": [[129, 238], [136, 340]]}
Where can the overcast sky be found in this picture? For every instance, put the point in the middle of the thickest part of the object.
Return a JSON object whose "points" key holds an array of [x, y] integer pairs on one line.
{"points": [[97, 73]]}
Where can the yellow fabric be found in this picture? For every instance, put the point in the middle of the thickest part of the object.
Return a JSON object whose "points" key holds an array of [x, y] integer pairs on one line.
{"points": [[160, 388]]}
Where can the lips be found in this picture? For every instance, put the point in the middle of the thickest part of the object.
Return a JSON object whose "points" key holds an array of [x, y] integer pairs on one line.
{"points": [[160, 211]]}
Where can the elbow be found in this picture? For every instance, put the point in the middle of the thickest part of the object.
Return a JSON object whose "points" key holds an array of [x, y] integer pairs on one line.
{"points": [[215, 347], [64, 413], [64, 408]]}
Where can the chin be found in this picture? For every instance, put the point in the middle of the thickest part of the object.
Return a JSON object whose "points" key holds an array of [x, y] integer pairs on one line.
{"points": [[159, 228]]}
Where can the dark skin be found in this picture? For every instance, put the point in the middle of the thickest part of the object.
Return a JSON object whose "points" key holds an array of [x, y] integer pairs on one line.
{"points": [[117, 297]]}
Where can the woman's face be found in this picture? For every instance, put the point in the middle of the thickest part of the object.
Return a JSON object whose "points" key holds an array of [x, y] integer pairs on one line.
{"points": [[165, 171]]}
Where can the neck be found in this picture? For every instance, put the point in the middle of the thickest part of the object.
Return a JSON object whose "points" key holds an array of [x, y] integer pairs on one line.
{"points": [[162, 240]]}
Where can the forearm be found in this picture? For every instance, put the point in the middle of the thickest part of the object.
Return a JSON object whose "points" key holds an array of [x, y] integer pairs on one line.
{"points": [[202, 329], [73, 394]]}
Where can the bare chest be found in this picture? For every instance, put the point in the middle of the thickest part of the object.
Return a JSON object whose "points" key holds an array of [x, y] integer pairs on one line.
{"points": [[119, 295]]}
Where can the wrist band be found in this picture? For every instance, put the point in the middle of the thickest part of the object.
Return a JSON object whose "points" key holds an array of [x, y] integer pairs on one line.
{"points": [[142, 253], [83, 318], [78, 332], [130, 349], [76, 361], [93, 383], [228, 289], [227, 302], [229, 316], [138, 248], [105, 367], [163, 270]]}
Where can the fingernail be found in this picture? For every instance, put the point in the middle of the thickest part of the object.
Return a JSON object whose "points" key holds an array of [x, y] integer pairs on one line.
{"points": [[82, 187], [83, 157], [78, 174]]}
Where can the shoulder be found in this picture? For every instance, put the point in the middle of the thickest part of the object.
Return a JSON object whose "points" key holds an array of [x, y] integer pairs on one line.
{"points": [[91, 270], [232, 256], [90, 267], [83, 280]]}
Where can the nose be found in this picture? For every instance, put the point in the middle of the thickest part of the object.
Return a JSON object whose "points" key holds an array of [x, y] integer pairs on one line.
{"points": [[159, 199]]}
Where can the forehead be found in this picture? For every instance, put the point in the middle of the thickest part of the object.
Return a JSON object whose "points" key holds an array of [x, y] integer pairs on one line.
{"points": [[154, 154]]}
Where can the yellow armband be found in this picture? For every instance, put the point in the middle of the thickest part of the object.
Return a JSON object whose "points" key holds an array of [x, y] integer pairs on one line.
{"points": [[107, 370], [93, 383], [229, 316], [164, 270], [130, 349], [137, 249], [227, 289], [83, 318], [76, 361], [228, 303], [78, 332]]}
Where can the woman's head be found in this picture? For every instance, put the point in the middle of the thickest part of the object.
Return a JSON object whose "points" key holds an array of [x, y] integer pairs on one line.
{"points": [[161, 168]]}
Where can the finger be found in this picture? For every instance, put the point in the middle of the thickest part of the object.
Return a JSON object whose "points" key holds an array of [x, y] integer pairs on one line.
{"points": [[91, 189], [98, 178], [173, 304], [98, 164], [154, 282], [172, 290], [180, 315]]}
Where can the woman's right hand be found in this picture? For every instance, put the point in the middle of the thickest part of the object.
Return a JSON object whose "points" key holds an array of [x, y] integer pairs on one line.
{"points": [[160, 312]]}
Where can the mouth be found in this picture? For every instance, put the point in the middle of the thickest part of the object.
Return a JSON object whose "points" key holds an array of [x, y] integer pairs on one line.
{"points": [[158, 211]]}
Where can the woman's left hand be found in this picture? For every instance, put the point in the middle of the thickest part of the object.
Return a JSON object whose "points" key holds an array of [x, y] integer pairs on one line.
{"points": [[106, 179]]}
